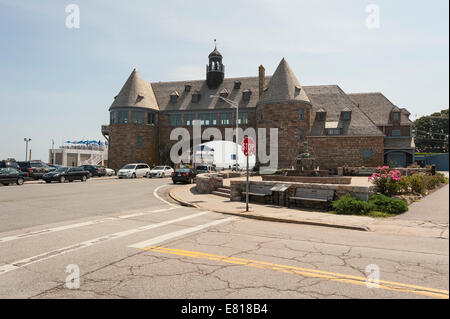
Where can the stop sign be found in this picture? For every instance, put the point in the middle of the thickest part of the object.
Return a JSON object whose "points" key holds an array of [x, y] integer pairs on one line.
{"points": [[248, 146]]}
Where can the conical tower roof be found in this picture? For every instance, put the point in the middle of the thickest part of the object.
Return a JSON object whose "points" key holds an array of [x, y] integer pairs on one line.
{"points": [[284, 86], [136, 92]]}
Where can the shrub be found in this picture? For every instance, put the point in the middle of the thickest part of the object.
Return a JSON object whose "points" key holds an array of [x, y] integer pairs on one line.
{"points": [[387, 204], [386, 181], [417, 184], [348, 205], [405, 185]]}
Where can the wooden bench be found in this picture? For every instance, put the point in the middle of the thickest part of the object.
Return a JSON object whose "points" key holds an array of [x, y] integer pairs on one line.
{"points": [[259, 190], [312, 195]]}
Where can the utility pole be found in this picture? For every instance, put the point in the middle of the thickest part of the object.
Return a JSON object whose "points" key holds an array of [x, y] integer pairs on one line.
{"points": [[53, 152], [26, 139]]}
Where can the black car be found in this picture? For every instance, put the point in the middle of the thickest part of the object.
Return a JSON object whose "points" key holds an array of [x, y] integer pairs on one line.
{"points": [[184, 175], [9, 163], [64, 174], [35, 169], [11, 175], [94, 170]]}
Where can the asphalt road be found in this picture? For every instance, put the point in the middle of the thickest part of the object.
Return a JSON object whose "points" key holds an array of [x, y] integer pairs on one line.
{"points": [[127, 241]]}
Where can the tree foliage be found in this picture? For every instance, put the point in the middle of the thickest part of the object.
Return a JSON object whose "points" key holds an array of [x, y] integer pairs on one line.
{"points": [[431, 132]]}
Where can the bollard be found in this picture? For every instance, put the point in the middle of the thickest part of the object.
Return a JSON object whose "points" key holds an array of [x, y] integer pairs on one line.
{"points": [[433, 169]]}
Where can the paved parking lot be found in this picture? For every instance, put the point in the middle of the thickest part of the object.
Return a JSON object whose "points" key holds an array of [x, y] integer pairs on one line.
{"points": [[128, 241]]}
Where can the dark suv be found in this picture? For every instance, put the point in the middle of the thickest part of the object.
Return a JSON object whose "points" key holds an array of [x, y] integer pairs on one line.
{"points": [[94, 170], [9, 163], [35, 169]]}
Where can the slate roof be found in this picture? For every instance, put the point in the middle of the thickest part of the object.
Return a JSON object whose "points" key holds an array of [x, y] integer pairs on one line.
{"points": [[334, 100], [399, 143], [136, 92], [283, 86], [162, 92], [378, 108]]}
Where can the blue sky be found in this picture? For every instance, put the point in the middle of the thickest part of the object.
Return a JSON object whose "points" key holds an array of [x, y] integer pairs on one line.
{"points": [[57, 83]]}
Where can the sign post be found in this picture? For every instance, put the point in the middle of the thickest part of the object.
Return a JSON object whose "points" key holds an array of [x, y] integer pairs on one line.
{"points": [[248, 148]]}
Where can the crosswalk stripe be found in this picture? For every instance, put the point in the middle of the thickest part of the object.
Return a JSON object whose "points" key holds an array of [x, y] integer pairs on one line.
{"points": [[77, 225], [162, 238], [54, 253]]}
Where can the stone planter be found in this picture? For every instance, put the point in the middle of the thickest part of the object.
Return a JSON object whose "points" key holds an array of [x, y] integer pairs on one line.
{"points": [[207, 183]]}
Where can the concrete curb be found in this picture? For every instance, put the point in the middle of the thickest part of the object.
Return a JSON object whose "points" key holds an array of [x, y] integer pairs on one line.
{"points": [[270, 219]]}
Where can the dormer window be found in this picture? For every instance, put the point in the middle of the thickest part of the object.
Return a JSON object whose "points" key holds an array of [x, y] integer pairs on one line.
{"points": [[224, 93], [396, 116], [246, 95], [174, 97], [196, 96], [237, 85], [298, 89], [187, 88], [321, 115]]}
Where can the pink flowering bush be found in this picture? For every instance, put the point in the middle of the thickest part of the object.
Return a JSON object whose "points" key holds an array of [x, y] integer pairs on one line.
{"points": [[387, 181]]}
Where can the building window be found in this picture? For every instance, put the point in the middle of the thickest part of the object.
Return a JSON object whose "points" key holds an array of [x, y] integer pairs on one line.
{"points": [[396, 116], [246, 95], [334, 131], [196, 97], [396, 133], [139, 141], [187, 88], [208, 118], [150, 118], [301, 115], [346, 115], [112, 118], [175, 119], [189, 119], [367, 153], [261, 116], [300, 135], [225, 118], [138, 117], [243, 118], [173, 99], [321, 116], [123, 117]]}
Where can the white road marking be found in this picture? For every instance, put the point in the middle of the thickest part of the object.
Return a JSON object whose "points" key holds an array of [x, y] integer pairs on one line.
{"points": [[155, 193], [57, 252], [77, 225], [179, 233]]}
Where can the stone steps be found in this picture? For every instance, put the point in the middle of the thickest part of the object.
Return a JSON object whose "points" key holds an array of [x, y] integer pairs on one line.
{"points": [[217, 193]]}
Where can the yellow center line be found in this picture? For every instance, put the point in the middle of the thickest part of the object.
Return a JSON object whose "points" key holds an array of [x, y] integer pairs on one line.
{"points": [[314, 273]]}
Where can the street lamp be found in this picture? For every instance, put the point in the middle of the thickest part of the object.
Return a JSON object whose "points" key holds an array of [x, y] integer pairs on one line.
{"points": [[236, 105], [26, 147]]}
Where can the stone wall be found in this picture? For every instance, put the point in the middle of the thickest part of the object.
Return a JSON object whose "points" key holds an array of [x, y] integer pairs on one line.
{"points": [[124, 148], [362, 192], [333, 152], [305, 179], [207, 183]]}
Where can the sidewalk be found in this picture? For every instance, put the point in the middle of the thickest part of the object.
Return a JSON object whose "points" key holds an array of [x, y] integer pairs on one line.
{"points": [[187, 195]]}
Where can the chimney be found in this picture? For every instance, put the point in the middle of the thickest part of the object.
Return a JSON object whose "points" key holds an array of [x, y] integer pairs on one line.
{"points": [[262, 79]]}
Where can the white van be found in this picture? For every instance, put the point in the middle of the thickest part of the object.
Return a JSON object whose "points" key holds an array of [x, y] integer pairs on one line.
{"points": [[134, 170]]}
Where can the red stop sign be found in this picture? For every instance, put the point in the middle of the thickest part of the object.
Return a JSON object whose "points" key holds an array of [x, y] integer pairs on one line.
{"points": [[248, 146]]}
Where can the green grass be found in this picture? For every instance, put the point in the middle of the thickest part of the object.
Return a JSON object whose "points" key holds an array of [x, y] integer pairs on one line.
{"points": [[371, 214]]}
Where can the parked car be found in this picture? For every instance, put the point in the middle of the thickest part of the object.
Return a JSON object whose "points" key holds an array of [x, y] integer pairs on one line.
{"points": [[110, 171], [236, 168], [63, 174], [12, 175], [161, 171], [94, 170], [35, 169], [9, 163], [201, 169], [184, 175], [134, 170]]}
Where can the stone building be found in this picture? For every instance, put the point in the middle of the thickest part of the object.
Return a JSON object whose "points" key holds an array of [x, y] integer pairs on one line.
{"points": [[339, 127]]}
